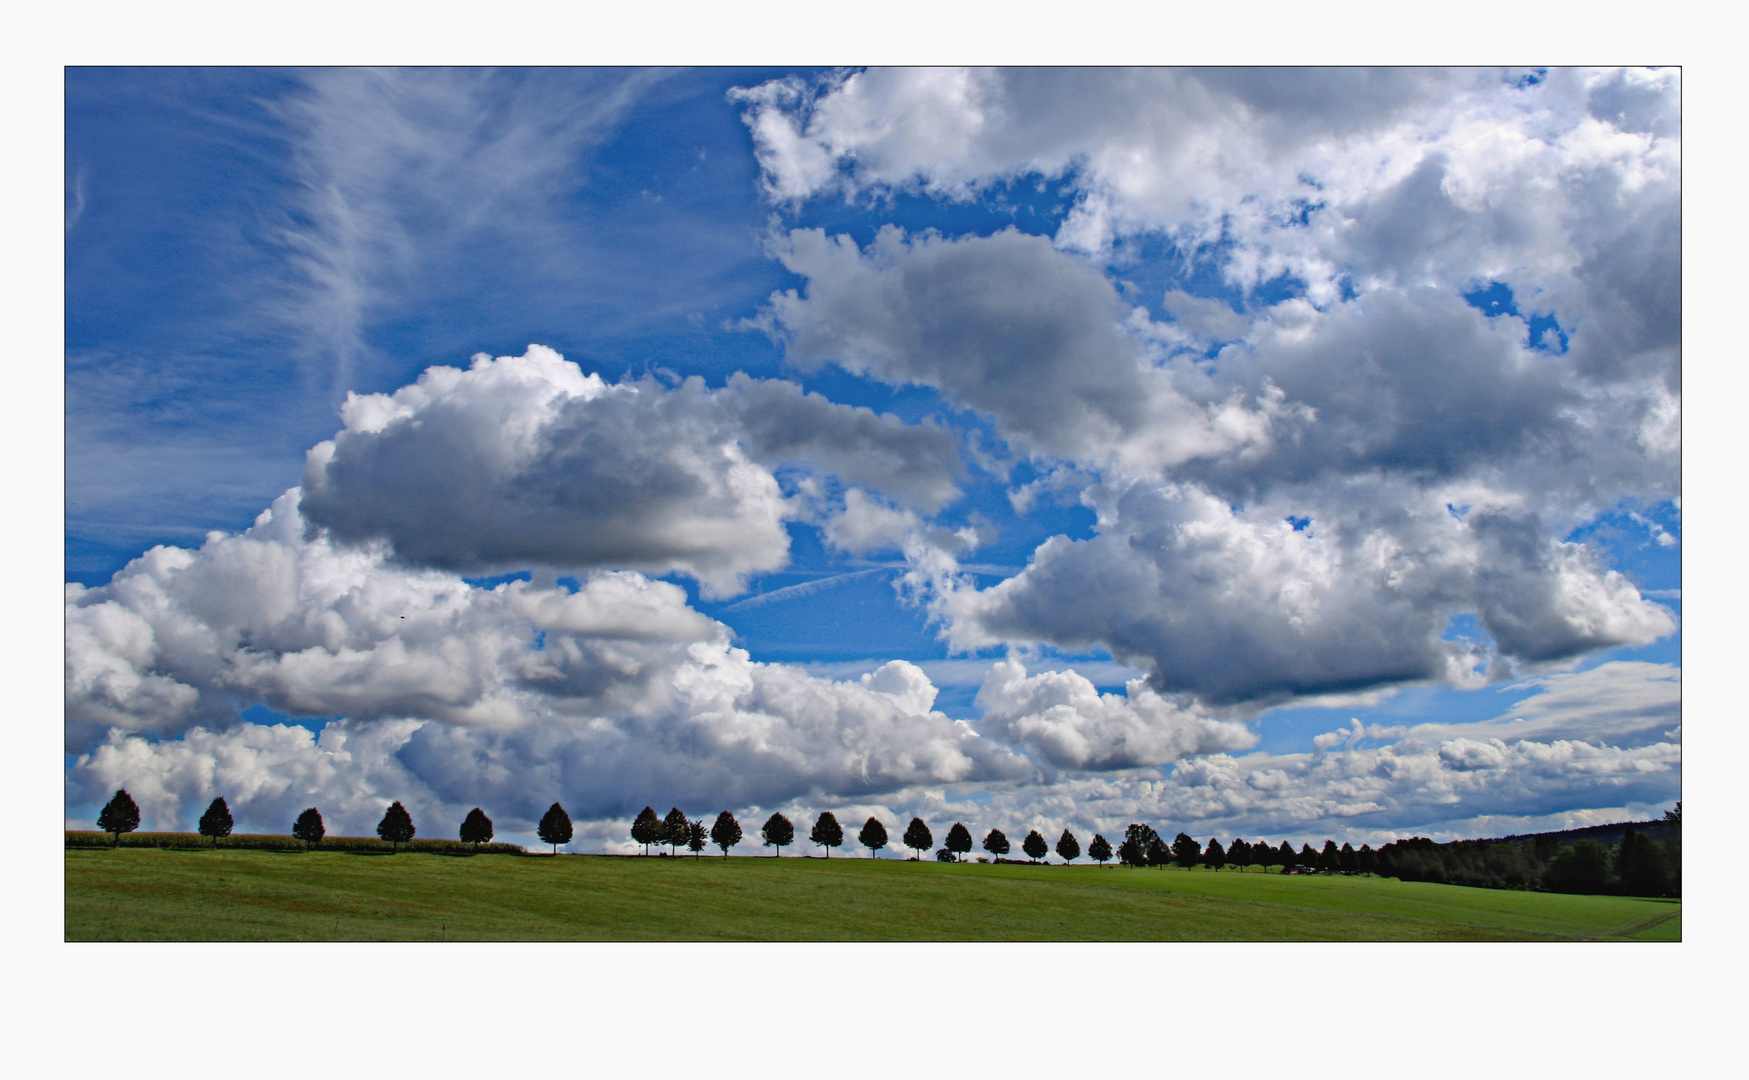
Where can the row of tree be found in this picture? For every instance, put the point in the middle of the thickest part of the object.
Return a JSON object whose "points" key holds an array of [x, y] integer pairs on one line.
{"points": [[1640, 866], [122, 815], [1141, 846]]}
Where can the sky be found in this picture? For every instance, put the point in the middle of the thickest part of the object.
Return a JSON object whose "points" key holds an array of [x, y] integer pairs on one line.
{"points": [[1275, 453]]}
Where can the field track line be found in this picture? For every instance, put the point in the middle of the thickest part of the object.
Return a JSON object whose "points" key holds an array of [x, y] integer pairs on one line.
{"points": [[1635, 926]]}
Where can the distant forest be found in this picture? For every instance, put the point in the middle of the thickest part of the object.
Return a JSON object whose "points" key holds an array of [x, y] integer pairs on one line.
{"points": [[1640, 858]]}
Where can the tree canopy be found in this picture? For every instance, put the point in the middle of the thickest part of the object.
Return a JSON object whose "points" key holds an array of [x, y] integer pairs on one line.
{"points": [[555, 827], [777, 832], [726, 833], [216, 822], [1068, 848], [1348, 860], [1035, 846], [827, 832], [697, 837], [1582, 868], [308, 827], [1158, 854], [1186, 852], [647, 828], [1137, 841], [476, 828], [1239, 853], [918, 837], [120, 814], [959, 840], [1641, 864], [396, 826], [1330, 859], [996, 843], [873, 836], [674, 830], [1099, 850], [1214, 856]]}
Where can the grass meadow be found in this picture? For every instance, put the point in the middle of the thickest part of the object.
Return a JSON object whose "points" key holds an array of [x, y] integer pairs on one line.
{"points": [[145, 894]]}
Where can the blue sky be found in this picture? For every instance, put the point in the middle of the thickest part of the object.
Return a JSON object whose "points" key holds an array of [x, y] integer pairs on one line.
{"points": [[1284, 454]]}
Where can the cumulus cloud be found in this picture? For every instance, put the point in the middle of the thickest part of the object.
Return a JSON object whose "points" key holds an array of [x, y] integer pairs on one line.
{"points": [[1294, 496], [1583, 748], [1010, 327], [1235, 607], [1067, 721], [1403, 173], [526, 461], [1156, 140], [607, 695]]}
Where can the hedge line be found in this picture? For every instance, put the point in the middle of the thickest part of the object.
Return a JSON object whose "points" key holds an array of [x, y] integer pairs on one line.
{"points": [[264, 842]]}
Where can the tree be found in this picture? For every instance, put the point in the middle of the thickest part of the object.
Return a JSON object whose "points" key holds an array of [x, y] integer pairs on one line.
{"points": [[1239, 853], [1348, 860], [1673, 817], [216, 822], [1214, 856], [1263, 855], [1034, 845], [1366, 859], [873, 836], [476, 828], [726, 833], [1068, 848], [996, 843], [308, 827], [1137, 841], [1284, 855], [1099, 850], [918, 837], [119, 815], [555, 827], [396, 826], [1329, 860], [1641, 865], [958, 842], [1582, 868], [827, 832], [1307, 857], [1186, 852], [1544, 848], [697, 836], [778, 832], [1158, 853], [674, 830], [647, 829]]}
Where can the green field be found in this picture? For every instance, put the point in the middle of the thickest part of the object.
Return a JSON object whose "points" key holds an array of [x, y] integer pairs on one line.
{"points": [[162, 895]]}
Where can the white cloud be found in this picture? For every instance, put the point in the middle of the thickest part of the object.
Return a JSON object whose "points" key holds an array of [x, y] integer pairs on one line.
{"points": [[1065, 719], [453, 696], [1431, 459], [1240, 606], [527, 462], [1010, 327]]}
